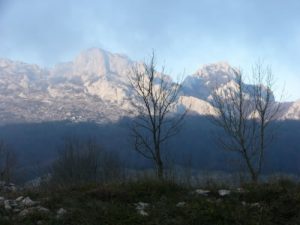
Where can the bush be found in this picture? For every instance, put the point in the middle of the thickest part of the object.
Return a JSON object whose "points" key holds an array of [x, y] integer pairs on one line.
{"points": [[81, 162]]}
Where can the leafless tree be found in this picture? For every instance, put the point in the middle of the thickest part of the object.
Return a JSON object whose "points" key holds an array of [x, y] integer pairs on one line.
{"points": [[81, 161], [8, 162], [156, 123], [245, 113]]}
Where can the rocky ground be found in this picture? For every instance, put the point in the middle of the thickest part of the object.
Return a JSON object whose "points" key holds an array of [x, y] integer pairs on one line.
{"points": [[15, 208], [152, 202]]}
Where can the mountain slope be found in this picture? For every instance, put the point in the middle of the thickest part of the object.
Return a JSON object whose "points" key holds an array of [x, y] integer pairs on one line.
{"points": [[94, 87]]}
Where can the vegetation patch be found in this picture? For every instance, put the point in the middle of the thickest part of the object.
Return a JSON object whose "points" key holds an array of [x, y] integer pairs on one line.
{"points": [[153, 202]]}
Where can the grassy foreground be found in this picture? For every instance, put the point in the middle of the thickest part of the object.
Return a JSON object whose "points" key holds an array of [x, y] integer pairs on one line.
{"points": [[115, 204]]}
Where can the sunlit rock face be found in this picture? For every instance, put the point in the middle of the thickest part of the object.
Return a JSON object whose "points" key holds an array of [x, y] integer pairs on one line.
{"points": [[290, 111], [209, 77], [95, 87]]}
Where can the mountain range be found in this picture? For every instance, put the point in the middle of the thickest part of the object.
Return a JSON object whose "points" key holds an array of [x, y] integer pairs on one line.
{"points": [[94, 87], [90, 97]]}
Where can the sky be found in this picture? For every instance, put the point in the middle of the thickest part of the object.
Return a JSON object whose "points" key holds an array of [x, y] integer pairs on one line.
{"points": [[185, 34]]}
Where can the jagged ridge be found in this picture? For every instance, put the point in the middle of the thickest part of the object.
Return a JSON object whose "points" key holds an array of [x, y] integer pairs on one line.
{"points": [[94, 87]]}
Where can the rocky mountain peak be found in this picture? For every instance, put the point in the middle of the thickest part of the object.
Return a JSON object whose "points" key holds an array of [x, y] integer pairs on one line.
{"points": [[94, 87], [100, 62], [210, 76], [220, 72], [93, 61]]}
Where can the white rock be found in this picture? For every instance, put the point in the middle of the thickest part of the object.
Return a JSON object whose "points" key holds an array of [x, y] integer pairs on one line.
{"points": [[27, 202], [19, 198], [7, 205], [42, 209], [16, 210], [30, 210], [202, 192], [256, 204], [11, 187], [143, 213], [24, 212], [60, 213], [180, 204], [140, 207], [224, 192]]}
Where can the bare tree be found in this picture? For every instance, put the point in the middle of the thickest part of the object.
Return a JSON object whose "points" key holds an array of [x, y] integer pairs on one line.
{"points": [[267, 110], [8, 162], [82, 161], [156, 122], [245, 113]]}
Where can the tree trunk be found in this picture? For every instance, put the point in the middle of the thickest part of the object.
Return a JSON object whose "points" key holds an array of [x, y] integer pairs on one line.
{"points": [[160, 169], [253, 174], [254, 177]]}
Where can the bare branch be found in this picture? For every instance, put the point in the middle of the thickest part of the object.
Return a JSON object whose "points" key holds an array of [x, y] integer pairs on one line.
{"points": [[156, 122], [244, 113]]}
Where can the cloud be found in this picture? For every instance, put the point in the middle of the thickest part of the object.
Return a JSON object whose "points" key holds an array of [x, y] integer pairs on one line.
{"points": [[184, 33]]}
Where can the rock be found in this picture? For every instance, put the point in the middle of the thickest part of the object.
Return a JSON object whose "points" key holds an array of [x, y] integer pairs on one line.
{"points": [[7, 205], [60, 213], [2, 199], [19, 198], [143, 213], [140, 207], [202, 192], [7, 187], [224, 192], [27, 211], [180, 204], [256, 204], [23, 206], [27, 202], [17, 210], [40, 222], [24, 213], [42, 209], [11, 187]]}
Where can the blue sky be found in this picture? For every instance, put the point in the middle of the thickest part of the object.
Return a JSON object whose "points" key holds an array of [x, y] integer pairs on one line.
{"points": [[184, 34]]}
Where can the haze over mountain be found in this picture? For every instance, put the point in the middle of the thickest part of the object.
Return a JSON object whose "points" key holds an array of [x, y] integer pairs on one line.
{"points": [[94, 87]]}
